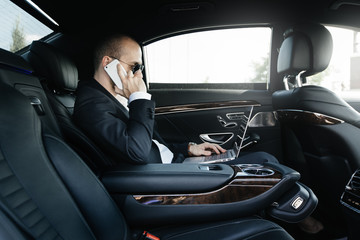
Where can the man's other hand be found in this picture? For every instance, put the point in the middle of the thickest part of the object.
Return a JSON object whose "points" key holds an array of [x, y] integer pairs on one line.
{"points": [[205, 149]]}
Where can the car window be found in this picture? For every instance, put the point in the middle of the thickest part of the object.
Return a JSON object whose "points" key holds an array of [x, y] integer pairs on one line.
{"points": [[227, 58], [343, 73], [18, 28]]}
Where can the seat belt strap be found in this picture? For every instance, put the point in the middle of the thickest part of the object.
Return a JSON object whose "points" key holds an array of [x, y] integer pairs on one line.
{"points": [[148, 236]]}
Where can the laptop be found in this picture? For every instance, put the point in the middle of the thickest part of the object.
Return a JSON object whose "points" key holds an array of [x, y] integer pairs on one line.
{"points": [[230, 154]]}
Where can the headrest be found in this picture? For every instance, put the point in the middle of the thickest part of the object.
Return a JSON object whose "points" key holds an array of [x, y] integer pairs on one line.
{"points": [[306, 47], [59, 71], [14, 62]]}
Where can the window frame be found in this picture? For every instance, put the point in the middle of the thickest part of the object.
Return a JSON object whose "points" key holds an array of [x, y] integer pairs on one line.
{"points": [[38, 16]]}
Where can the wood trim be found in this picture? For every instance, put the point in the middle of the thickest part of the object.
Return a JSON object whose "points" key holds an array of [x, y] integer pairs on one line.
{"points": [[306, 117], [203, 106], [242, 187]]}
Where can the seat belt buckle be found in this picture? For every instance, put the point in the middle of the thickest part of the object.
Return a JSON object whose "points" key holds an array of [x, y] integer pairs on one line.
{"points": [[148, 236]]}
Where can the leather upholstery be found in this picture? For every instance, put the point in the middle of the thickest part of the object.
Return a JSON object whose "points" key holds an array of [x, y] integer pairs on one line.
{"points": [[309, 47], [38, 206], [317, 151], [18, 75], [61, 73], [318, 100], [60, 79], [246, 228], [16, 63], [306, 47], [47, 192], [9, 230]]}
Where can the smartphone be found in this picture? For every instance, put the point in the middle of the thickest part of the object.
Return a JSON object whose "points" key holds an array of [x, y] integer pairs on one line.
{"points": [[111, 70]]}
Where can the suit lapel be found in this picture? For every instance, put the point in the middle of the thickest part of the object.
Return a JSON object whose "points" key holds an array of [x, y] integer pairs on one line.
{"points": [[109, 95], [154, 153]]}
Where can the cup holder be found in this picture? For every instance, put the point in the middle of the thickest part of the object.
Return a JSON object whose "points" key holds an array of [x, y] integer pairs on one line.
{"points": [[258, 171]]}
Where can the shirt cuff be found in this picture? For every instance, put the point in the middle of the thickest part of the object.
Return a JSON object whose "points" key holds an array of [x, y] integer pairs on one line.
{"points": [[139, 95]]}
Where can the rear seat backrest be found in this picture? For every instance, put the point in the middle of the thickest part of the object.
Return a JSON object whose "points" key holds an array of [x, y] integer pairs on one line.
{"points": [[59, 77], [17, 73], [57, 70], [48, 199]]}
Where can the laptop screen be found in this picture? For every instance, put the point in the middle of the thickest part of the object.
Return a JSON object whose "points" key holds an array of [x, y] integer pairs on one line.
{"points": [[243, 119], [243, 125]]}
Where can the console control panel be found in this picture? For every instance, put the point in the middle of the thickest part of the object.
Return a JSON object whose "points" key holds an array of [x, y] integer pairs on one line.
{"points": [[351, 195]]}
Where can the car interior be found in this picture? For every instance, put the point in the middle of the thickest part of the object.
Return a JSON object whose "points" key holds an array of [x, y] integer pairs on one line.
{"points": [[338, 120], [57, 183]]}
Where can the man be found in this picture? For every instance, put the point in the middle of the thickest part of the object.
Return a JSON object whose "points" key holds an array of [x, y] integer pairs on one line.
{"points": [[121, 121]]}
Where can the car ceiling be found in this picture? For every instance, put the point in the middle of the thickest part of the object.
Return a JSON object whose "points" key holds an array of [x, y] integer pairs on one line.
{"points": [[83, 23], [153, 18]]}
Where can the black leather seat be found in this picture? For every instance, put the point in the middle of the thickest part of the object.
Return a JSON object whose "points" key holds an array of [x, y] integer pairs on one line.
{"points": [[321, 131], [48, 192], [59, 77]]}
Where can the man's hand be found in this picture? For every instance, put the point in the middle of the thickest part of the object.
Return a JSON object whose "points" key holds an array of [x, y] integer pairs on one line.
{"points": [[131, 83], [205, 149]]}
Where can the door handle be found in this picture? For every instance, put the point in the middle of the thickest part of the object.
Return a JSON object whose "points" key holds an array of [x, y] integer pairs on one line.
{"points": [[218, 138], [250, 140], [226, 124]]}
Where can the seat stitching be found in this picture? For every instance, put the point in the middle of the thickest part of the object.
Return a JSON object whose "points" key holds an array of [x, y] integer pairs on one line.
{"points": [[211, 227]]}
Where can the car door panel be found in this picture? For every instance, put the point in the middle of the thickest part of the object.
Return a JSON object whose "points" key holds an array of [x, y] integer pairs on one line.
{"points": [[355, 104], [189, 124], [218, 138]]}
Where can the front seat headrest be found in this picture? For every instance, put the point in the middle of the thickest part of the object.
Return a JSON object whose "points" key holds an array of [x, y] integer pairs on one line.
{"points": [[306, 48], [60, 72]]}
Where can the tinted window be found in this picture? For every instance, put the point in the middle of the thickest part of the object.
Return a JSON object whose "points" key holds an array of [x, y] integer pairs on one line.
{"points": [[220, 58], [18, 28]]}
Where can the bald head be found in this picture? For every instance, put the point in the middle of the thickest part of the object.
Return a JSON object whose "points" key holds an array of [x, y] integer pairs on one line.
{"points": [[116, 46]]}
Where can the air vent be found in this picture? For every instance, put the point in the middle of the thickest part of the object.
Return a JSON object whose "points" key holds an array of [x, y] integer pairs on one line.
{"points": [[351, 195], [355, 181]]}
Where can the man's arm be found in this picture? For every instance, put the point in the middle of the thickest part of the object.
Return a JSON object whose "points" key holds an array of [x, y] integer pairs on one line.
{"points": [[124, 138]]}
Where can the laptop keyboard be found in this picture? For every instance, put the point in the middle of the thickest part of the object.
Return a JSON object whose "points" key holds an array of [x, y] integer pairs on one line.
{"points": [[227, 154]]}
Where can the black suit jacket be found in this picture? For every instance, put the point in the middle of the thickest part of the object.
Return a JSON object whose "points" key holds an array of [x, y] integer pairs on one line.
{"points": [[122, 135]]}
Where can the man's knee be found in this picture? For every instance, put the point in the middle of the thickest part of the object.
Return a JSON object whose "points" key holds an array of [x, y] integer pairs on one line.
{"points": [[267, 157], [255, 158]]}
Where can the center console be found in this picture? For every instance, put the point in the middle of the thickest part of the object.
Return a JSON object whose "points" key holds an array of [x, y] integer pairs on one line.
{"points": [[182, 193], [248, 181], [350, 200]]}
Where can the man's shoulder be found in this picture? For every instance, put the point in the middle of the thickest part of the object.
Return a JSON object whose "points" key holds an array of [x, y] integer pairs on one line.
{"points": [[89, 96], [87, 86], [90, 90]]}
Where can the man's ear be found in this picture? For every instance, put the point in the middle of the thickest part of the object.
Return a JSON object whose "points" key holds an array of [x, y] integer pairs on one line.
{"points": [[105, 61]]}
